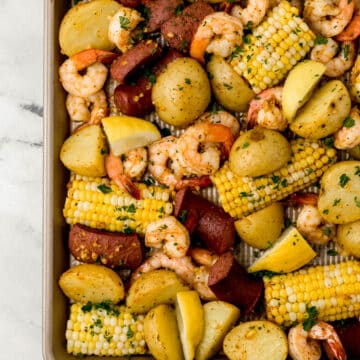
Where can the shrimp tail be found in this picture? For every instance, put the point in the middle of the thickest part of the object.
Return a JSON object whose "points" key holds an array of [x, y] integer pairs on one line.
{"points": [[352, 31], [198, 48], [304, 199], [334, 349], [85, 58], [128, 186], [222, 134], [202, 182]]}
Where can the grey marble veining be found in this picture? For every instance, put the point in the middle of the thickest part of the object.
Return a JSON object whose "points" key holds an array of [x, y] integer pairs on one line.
{"points": [[21, 146]]}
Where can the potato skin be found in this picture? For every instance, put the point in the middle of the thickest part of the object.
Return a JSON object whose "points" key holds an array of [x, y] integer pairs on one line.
{"points": [[256, 340], [324, 113], [258, 152], [111, 249], [154, 288], [94, 283], [339, 197], [347, 238], [263, 227], [229, 88], [181, 92], [86, 25]]}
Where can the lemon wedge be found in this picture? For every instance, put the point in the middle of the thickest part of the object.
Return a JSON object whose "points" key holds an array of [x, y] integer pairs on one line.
{"points": [[290, 252], [190, 319], [125, 133]]}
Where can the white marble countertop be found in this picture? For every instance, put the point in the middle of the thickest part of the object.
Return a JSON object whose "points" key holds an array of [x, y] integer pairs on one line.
{"points": [[21, 106]]}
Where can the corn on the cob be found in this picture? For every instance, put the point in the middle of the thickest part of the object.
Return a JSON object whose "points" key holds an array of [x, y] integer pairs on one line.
{"points": [[104, 329], [333, 289], [240, 196], [99, 203], [273, 48]]}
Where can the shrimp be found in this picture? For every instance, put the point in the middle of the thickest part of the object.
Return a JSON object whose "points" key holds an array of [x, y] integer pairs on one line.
{"points": [[328, 18], [219, 33], [96, 73], [120, 26], [253, 13], [183, 267], [336, 62], [164, 165], [203, 256], [352, 31], [169, 235], [135, 162], [349, 135], [265, 110], [223, 118], [301, 347], [355, 80], [197, 150], [313, 226], [115, 171], [90, 109]]}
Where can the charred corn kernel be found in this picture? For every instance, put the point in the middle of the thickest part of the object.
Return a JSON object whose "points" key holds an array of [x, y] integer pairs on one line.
{"points": [[99, 203], [253, 194], [333, 289], [100, 334], [289, 39]]}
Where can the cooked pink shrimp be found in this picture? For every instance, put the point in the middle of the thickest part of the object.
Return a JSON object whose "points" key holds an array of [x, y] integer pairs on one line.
{"points": [[265, 110], [197, 147], [218, 33], [355, 80], [336, 62], [168, 234], [90, 109], [96, 73], [135, 162], [121, 25], [254, 12], [115, 171], [193, 275], [352, 31], [349, 135], [221, 117], [164, 152], [328, 18]]}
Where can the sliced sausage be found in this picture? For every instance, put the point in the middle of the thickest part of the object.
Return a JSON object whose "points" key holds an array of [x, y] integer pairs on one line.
{"points": [[159, 11], [349, 334], [230, 282], [129, 3], [111, 249], [170, 55], [213, 225], [140, 55], [179, 30]]}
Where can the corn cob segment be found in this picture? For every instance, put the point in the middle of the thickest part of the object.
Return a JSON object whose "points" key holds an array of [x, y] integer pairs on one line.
{"points": [[104, 329], [240, 196], [273, 48], [99, 203], [333, 289]]}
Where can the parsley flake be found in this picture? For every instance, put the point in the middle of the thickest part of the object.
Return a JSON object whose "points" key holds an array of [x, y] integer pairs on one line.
{"points": [[104, 188]]}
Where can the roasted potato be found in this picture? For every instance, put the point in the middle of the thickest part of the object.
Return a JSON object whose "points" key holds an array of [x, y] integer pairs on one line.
{"points": [[220, 317], [94, 283], [339, 197], [262, 228], [86, 25], [181, 92], [258, 152], [162, 334], [348, 239], [256, 340], [154, 288], [229, 88], [324, 113]]}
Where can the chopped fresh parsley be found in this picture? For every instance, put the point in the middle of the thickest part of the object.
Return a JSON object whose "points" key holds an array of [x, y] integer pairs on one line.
{"points": [[346, 51], [149, 181], [129, 333], [124, 22], [349, 122], [87, 307], [357, 201], [310, 321], [332, 252], [104, 188], [187, 81], [329, 141], [344, 179], [183, 216], [319, 40], [245, 145], [228, 86]]}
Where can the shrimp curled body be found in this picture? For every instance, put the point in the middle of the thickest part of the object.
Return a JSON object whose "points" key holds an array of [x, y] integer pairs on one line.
{"points": [[90, 109], [223, 118], [265, 110], [169, 235], [253, 13], [121, 26], [349, 136], [219, 33], [327, 18], [135, 162], [355, 80]]}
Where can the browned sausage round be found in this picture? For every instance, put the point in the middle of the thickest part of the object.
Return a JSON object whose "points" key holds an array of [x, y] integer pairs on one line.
{"points": [[230, 282], [110, 249], [349, 334], [159, 11], [179, 30], [129, 3], [140, 55], [213, 225]]}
